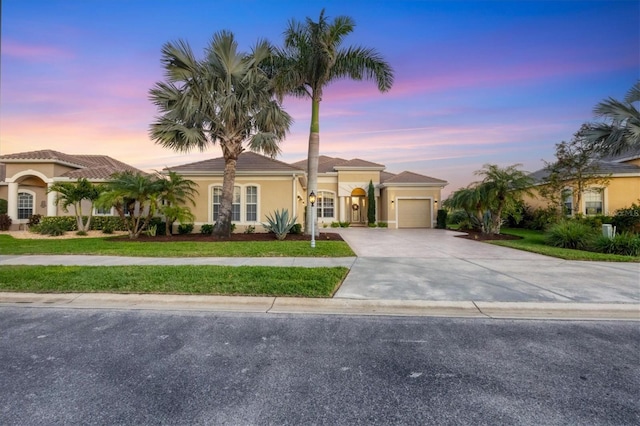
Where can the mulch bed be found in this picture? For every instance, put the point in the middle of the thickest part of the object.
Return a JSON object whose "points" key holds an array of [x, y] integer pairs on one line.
{"points": [[479, 236], [329, 236]]}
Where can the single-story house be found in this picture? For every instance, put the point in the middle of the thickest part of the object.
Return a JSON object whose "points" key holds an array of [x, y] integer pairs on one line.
{"points": [[26, 176], [263, 184], [621, 190]]}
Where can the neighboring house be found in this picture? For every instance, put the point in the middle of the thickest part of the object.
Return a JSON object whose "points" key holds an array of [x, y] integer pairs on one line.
{"points": [[405, 200], [25, 177], [621, 190]]}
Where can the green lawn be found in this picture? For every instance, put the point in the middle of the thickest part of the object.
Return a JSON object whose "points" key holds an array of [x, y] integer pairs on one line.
{"points": [[112, 247], [533, 241], [220, 280]]}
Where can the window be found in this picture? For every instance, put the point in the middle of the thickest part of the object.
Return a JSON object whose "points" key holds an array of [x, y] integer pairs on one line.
{"points": [[567, 201], [593, 201], [251, 203], [25, 205], [102, 211], [325, 204], [235, 207]]}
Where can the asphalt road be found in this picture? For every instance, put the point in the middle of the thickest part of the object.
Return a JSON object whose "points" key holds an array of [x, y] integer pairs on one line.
{"points": [[76, 366]]}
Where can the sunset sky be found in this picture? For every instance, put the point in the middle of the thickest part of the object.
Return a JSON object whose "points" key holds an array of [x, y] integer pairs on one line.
{"points": [[475, 82]]}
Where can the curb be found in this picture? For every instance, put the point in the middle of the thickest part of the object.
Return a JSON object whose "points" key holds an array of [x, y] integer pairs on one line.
{"points": [[335, 306]]}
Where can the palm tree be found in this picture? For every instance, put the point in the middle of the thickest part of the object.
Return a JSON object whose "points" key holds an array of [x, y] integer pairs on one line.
{"points": [[226, 99], [175, 193], [72, 194], [503, 188], [312, 58], [620, 131], [135, 198]]}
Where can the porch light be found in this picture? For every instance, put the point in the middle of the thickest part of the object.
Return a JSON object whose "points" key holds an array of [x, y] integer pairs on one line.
{"points": [[312, 201]]}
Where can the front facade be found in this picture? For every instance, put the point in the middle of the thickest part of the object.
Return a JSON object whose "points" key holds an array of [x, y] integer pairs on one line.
{"points": [[622, 188], [26, 177], [263, 185]]}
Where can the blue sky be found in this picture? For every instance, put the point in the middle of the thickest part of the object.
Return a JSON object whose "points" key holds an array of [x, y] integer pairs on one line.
{"points": [[475, 82]]}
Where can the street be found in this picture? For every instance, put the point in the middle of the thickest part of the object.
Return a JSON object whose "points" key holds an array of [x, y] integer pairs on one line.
{"points": [[91, 366]]}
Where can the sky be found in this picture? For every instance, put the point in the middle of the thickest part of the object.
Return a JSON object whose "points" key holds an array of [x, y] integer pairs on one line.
{"points": [[476, 82]]}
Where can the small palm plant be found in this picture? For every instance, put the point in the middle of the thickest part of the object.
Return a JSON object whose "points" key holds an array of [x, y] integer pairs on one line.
{"points": [[280, 223]]}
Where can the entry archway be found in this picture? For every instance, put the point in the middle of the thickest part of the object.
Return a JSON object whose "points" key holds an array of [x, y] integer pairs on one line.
{"points": [[358, 206]]}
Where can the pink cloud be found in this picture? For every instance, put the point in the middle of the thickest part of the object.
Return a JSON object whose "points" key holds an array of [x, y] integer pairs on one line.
{"points": [[33, 52]]}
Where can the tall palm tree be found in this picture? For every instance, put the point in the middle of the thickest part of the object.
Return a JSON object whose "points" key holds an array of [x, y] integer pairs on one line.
{"points": [[226, 98], [620, 131], [175, 193], [312, 58], [72, 194]]}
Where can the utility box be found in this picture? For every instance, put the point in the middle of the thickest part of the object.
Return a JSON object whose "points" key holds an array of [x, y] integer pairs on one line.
{"points": [[608, 230]]}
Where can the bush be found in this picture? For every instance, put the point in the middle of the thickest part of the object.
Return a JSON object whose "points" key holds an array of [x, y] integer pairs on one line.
{"points": [[383, 225], [65, 223], [4, 206], [107, 229], [34, 219], [570, 234], [627, 219], [161, 226], [441, 219], [82, 233], [185, 228], [5, 222], [152, 230], [594, 222], [372, 225], [539, 219], [335, 224], [280, 223], [52, 227], [456, 217], [206, 229], [296, 229], [345, 224], [625, 243], [115, 223]]}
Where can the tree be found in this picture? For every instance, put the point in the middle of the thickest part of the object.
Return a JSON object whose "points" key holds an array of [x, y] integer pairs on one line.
{"points": [[135, 197], [486, 201], [371, 203], [72, 194], [620, 130], [312, 58], [576, 167], [227, 98], [175, 193]]}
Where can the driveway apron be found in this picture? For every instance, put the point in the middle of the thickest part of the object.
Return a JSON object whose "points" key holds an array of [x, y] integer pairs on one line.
{"points": [[432, 264]]}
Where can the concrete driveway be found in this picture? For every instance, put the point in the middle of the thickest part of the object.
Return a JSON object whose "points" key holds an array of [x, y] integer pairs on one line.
{"points": [[431, 264]]}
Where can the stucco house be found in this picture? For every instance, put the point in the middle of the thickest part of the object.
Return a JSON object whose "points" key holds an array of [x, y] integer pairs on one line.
{"points": [[621, 190], [263, 184], [25, 177]]}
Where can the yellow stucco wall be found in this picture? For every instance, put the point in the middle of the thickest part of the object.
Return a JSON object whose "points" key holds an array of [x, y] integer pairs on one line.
{"points": [[48, 169], [359, 176]]}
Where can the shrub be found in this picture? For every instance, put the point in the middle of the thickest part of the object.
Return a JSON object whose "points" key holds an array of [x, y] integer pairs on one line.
{"points": [[345, 224], [185, 228], [372, 225], [34, 219], [5, 222], [625, 243], [53, 228], [456, 217], [280, 223], [107, 229], [570, 234], [297, 229], [161, 226], [627, 219], [335, 224], [539, 219], [594, 222], [441, 219], [66, 223], [4, 206], [152, 230], [115, 223], [206, 229], [383, 225], [82, 233]]}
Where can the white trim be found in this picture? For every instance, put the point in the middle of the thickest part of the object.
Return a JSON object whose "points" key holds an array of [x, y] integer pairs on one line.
{"points": [[243, 203], [33, 204]]}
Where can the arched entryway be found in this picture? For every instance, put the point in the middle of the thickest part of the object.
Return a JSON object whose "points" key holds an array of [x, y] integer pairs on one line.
{"points": [[358, 206]]}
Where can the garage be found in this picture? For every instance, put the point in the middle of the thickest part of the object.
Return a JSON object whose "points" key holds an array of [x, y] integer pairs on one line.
{"points": [[414, 213]]}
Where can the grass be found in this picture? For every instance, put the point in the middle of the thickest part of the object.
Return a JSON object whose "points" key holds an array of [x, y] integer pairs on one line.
{"points": [[534, 241], [218, 280], [111, 247]]}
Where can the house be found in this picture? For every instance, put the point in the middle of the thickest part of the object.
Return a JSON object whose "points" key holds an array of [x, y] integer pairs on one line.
{"points": [[263, 184], [25, 177], [621, 190]]}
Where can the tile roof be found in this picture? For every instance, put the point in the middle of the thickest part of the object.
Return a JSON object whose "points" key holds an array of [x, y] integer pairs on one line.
{"points": [[88, 166], [385, 176], [604, 168], [357, 163], [247, 162], [332, 164], [413, 178]]}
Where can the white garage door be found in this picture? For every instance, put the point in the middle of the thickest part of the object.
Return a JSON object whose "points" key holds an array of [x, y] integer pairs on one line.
{"points": [[414, 214]]}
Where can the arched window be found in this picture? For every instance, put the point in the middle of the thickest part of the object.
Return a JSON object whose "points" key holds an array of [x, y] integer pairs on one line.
{"points": [[25, 205], [325, 204]]}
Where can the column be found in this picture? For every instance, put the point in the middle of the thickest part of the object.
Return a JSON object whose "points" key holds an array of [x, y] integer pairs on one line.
{"points": [[51, 202], [12, 202]]}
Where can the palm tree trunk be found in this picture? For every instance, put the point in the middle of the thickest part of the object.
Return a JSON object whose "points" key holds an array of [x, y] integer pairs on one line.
{"points": [[223, 224], [312, 163]]}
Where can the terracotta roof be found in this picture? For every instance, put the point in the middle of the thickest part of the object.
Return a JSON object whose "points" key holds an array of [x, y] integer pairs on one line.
{"points": [[359, 163], [325, 164], [385, 176], [88, 166], [410, 177], [247, 162]]}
